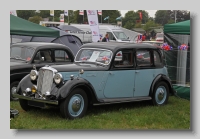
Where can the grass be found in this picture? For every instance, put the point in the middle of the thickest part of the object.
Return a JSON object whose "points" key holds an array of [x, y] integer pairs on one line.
{"points": [[127, 116]]}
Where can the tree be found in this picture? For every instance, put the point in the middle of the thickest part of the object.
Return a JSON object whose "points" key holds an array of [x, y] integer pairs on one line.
{"points": [[145, 16], [25, 14], [113, 14], [129, 20], [35, 19], [148, 26], [162, 16]]}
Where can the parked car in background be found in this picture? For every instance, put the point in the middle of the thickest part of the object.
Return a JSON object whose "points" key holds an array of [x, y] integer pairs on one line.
{"points": [[24, 55], [159, 37], [103, 73]]}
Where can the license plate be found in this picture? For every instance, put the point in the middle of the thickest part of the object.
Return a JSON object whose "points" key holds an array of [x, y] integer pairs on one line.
{"points": [[36, 104]]}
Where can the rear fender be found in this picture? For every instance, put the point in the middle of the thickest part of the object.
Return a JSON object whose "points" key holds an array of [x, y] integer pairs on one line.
{"points": [[160, 78]]}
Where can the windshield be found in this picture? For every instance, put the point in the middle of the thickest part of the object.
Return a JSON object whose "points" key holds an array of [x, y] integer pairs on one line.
{"points": [[120, 35], [100, 56], [22, 53]]}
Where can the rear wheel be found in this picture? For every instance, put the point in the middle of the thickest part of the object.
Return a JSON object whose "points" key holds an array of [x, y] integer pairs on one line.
{"points": [[160, 94], [75, 105], [13, 87]]}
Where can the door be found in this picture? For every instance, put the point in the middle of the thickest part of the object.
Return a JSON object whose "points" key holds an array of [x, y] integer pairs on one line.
{"points": [[144, 73], [120, 81]]}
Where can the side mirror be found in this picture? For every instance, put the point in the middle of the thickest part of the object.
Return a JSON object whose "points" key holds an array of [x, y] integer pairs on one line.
{"points": [[128, 38]]}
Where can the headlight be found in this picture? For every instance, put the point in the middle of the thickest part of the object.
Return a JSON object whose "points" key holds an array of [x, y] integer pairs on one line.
{"points": [[33, 75], [58, 78]]}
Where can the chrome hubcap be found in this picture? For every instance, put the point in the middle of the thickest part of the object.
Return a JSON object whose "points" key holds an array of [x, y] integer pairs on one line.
{"points": [[161, 94], [76, 104]]}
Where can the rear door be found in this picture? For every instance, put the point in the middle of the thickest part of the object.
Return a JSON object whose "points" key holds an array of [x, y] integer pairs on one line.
{"points": [[144, 73]]}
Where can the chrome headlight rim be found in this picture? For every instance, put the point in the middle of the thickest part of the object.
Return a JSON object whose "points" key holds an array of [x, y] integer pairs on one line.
{"points": [[33, 75], [58, 78]]}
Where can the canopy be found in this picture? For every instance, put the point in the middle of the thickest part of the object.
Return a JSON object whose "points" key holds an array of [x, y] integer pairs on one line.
{"points": [[19, 26], [178, 28]]}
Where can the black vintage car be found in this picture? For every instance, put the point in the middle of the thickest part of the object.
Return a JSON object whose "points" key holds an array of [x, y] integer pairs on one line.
{"points": [[24, 55], [102, 73]]}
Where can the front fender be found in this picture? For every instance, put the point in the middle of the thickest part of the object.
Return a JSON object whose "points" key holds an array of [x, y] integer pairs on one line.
{"points": [[159, 78], [65, 90], [24, 83]]}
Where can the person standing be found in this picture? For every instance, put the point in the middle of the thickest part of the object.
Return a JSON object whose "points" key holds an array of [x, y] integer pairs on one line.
{"points": [[106, 38]]}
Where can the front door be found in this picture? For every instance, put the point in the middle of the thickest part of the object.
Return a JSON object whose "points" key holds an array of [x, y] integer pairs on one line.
{"points": [[120, 81]]}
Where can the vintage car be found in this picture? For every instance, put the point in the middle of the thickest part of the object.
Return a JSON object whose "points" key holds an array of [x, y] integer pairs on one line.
{"points": [[103, 73], [24, 55]]}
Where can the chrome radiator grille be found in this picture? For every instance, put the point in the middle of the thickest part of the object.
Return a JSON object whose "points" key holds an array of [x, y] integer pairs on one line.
{"points": [[45, 80]]}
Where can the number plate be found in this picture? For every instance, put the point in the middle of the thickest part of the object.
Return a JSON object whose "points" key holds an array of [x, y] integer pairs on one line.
{"points": [[36, 104]]}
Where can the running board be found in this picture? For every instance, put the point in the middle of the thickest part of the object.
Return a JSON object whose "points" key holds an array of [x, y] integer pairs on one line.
{"points": [[121, 100]]}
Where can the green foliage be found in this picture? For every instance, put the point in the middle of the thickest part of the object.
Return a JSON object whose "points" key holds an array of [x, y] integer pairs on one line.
{"points": [[133, 116], [138, 25], [170, 21], [148, 26], [35, 19], [129, 20], [25, 14]]}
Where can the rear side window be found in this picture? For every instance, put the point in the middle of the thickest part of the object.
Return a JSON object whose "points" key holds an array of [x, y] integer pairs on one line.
{"points": [[61, 56], [143, 58]]}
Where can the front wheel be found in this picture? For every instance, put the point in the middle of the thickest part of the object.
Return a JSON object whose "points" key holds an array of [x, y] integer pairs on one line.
{"points": [[75, 105], [160, 94], [24, 104], [13, 87]]}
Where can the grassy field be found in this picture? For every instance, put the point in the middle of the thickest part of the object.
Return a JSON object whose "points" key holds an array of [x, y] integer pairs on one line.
{"points": [[126, 116]]}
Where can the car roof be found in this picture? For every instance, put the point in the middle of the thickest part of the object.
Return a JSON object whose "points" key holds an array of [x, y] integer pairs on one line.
{"points": [[117, 45], [39, 45]]}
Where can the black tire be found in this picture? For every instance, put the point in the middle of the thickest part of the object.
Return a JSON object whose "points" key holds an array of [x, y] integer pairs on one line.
{"points": [[70, 111], [161, 94], [24, 104], [13, 85]]}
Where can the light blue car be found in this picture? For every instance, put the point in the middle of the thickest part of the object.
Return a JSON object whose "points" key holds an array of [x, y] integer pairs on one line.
{"points": [[102, 73]]}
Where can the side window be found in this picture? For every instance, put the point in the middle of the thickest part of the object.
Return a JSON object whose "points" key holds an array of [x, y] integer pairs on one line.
{"points": [[28, 53], [157, 58], [143, 58], [43, 56], [61, 56], [123, 58], [111, 37]]}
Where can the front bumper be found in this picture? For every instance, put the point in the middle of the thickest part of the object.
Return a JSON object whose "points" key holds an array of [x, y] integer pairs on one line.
{"points": [[54, 102]]}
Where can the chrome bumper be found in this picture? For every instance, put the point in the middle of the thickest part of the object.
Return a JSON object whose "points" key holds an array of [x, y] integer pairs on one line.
{"points": [[35, 99]]}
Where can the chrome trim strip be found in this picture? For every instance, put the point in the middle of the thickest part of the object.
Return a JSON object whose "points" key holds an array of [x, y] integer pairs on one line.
{"points": [[37, 100]]}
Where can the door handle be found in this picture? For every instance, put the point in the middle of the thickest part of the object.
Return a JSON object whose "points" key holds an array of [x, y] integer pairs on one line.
{"points": [[111, 73], [136, 71]]}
